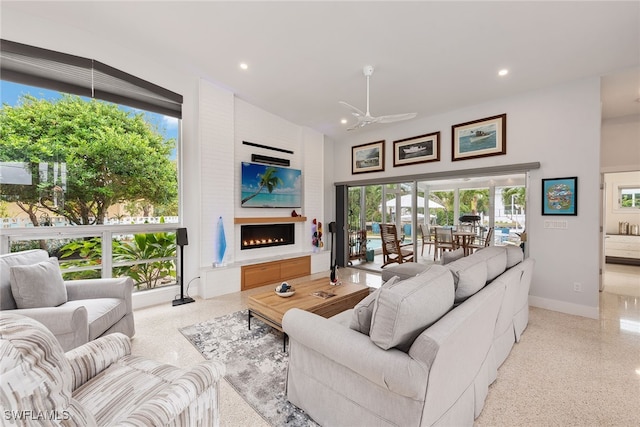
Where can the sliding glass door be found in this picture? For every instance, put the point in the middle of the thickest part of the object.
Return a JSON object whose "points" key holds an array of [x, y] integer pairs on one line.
{"points": [[486, 203]]}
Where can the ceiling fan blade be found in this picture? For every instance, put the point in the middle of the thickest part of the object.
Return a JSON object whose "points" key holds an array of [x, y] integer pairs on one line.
{"points": [[365, 119], [355, 111], [357, 125], [395, 117]]}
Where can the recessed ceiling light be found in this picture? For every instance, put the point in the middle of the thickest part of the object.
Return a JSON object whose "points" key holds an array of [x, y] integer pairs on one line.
{"points": [[343, 121], [503, 72], [244, 66]]}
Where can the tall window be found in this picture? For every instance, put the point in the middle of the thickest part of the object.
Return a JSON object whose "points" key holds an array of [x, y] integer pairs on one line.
{"points": [[84, 144]]}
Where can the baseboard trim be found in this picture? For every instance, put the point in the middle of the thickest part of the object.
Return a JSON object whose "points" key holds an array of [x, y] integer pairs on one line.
{"points": [[161, 295], [564, 307]]}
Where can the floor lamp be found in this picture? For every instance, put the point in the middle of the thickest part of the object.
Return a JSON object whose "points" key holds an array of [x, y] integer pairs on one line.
{"points": [[182, 241]]}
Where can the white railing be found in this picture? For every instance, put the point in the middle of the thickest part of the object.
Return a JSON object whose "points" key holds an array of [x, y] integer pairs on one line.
{"points": [[59, 221], [106, 232]]}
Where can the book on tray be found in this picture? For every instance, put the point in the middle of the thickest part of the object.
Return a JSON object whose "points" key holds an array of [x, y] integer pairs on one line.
{"points": [[323, 294]]}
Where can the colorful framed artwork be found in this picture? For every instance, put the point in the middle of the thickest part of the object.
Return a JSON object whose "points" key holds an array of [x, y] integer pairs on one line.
{"points": [[417, 149], [479, 138], [367, 157], [560, 196]]}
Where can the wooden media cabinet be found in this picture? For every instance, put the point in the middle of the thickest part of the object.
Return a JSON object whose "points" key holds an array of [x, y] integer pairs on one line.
{"points": [[255, 275]]}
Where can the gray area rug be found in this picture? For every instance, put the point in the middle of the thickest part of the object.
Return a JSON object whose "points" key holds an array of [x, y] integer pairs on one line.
{"points": [[256, 366]]}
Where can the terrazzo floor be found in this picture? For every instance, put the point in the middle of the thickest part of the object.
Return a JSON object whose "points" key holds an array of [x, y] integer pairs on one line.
{"points": [[567, 370]]}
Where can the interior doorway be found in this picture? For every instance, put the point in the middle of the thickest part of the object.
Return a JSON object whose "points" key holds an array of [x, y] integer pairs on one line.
{"points": [[620, 258]]}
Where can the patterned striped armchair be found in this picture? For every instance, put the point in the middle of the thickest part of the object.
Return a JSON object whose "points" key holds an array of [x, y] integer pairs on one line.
{"points": [[97, 384]]}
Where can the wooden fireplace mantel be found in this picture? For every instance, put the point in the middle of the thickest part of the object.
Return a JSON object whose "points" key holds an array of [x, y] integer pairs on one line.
{"points": [[269, 220]]}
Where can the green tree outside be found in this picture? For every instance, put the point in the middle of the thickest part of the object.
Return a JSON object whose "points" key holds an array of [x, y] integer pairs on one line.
{"points": [[111, 156]]}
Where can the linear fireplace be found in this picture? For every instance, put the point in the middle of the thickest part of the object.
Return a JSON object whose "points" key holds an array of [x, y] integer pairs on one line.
{"points": [[265, 235]]}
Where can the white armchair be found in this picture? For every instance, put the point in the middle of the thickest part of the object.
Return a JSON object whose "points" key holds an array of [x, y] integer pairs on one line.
{"points": [[77, 311]]}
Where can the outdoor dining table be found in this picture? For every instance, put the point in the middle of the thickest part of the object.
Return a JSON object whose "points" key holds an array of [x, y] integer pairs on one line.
{"points": [[464, 240]]}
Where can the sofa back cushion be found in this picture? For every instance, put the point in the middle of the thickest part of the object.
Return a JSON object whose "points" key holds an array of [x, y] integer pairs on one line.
{"points": [[514, 255], [6, 262], [469, 276], [403, 311], [35, 372], [496, 259]]}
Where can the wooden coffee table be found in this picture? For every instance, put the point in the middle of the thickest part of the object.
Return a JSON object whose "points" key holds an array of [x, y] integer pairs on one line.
{"points": [[270, 308]]}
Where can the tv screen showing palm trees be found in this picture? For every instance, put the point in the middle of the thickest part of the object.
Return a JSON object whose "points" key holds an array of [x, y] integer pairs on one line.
{"points": [[267, 186]]}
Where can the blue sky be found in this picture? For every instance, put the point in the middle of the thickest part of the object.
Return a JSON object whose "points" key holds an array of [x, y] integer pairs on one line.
{"points": [[10, 94]]}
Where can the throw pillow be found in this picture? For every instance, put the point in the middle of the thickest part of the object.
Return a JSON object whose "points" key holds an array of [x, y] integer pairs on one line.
{"points": [[361, 319], [450, 256], [402, 312], [38, 285]]}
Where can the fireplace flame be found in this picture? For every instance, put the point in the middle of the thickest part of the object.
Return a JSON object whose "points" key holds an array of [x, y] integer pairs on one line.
{"points": [[256, 242]]}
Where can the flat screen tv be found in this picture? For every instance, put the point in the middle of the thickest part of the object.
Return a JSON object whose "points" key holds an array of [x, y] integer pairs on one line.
{"points": [[267, 186]]}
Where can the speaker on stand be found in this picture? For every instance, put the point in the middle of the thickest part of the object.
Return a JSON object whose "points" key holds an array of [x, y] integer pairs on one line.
{"points": [[182, 240], [332, 277]]}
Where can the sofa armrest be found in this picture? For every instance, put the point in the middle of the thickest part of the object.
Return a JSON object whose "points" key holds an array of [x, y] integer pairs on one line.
{"points": [[191, 399], [117, 287], [60, 320], [91, 358], [391, 369]]}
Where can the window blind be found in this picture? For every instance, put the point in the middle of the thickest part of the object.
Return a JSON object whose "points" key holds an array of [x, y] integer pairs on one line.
{"points": [[49, 69]]}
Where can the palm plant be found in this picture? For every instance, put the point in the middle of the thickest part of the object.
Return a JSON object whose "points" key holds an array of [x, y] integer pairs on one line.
{"points": [[269, 179], [151, 246]]}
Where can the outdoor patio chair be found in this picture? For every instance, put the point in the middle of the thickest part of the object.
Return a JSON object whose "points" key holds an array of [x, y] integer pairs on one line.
{"points": [[427, 238], [444, 241], [482, 242], [392, 249]]}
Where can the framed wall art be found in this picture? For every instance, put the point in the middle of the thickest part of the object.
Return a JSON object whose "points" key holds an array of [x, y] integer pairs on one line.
{"points": [[479, 138], [367, 157], [560, 196], [417, 149]]}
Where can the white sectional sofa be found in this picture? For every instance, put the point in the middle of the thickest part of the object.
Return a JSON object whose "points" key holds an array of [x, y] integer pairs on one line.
{"points": [[416, 352]]}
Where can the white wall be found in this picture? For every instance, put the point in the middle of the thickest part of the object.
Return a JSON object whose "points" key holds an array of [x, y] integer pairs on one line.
{"points": [[558, 127], [620, 161], [620, 150]]}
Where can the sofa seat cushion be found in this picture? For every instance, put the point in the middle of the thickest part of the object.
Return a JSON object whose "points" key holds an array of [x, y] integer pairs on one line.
{"points": [[7, 302], [38, 285], [403, 311], [102, 313], [121, 388], [404, 271], [496, 259], [469, 276]]}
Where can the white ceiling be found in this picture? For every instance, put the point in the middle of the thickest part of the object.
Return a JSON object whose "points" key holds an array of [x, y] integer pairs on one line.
{"points": [[429, 57]]}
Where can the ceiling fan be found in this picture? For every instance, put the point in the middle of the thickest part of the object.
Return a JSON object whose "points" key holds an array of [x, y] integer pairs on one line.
{"points": [[366, 118]]}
